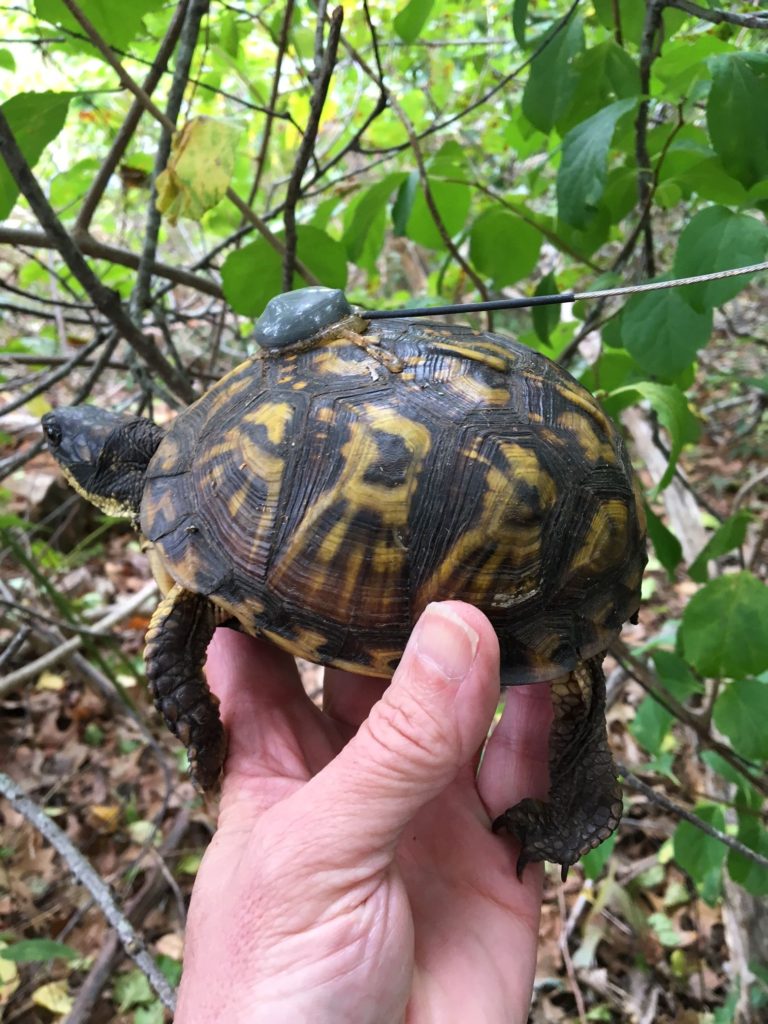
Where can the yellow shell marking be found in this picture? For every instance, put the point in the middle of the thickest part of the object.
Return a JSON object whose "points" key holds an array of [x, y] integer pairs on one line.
{"points": [[606, 539], [275, 417], [360, 455]]}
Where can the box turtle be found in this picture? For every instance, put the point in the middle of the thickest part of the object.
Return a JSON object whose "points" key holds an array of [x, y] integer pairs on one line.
{"points": [[328, 488]]}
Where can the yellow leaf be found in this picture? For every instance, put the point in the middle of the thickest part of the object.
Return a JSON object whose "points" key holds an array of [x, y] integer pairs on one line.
{"points": [[50, 681], [104, 817], [9, 978], [54, 997], [199, 170], [38, 406]]}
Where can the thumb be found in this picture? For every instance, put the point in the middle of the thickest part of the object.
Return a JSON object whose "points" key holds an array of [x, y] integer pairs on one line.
{"points": [[428, 724]]}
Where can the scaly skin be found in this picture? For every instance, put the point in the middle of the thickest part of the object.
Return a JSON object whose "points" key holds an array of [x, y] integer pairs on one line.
{"points": [[584, 805], [177, 640]]}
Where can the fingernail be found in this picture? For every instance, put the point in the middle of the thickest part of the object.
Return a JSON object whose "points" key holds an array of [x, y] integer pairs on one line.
{"points": [[446, 641]]}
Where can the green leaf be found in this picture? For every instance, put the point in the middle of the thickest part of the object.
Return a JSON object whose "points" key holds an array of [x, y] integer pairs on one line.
{"points": [[584, 166], [663, 333], [737, 117], [451, 200], [251, 276], [412, 18], [36, 118], [593, 863], [132, 989], [7, 62], [671, 407], [199, 169], [651, 724], [30, 951], [406, 196], [700, 855], [676, 674], [631, 17], [668, 549], [718, 239], [365, 213], [724, 627], [117, 23], [665, 930], [504, 247], [740, 712], [729, 535], [551, 82], [546, 318], [753, 877], [519, 15]]}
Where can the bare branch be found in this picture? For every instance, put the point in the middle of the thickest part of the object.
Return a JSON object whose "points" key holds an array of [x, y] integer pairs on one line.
{"points": [[679, 811], [648, 53], [128, 127], [717, 17], [317, 102], [99, 890], [99, 250]]}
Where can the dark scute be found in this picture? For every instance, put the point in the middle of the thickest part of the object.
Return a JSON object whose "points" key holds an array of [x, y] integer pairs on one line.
{"points": [[391, 469]]}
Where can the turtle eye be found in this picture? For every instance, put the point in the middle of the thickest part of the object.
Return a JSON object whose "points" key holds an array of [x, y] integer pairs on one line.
{"points": [[52, 432]]}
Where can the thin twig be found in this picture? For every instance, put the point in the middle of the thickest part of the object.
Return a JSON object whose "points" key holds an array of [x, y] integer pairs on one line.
{"points": [[282, 46], [565, 952], [99, 890], [53, 376], [718, 17], [104, 625], [106, 300], [633, 782], [128, 127], [122, 257], [125, 79], [648, 53], [316, 104], [135, 911]]}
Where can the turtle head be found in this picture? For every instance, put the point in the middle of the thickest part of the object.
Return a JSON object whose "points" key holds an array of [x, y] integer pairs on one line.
{"points": [[104, 455]]}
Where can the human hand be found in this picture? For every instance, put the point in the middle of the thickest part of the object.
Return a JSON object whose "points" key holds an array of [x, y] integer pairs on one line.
{"points": [[353, 876]]}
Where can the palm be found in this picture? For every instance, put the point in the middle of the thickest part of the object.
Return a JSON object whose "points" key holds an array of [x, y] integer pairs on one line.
{"points": [[451, 903]]}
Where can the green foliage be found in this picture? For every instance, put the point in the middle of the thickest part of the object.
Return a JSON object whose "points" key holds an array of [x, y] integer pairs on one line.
{"points": [[723, 628], [30, 951], [36, 118], [534, 181]]}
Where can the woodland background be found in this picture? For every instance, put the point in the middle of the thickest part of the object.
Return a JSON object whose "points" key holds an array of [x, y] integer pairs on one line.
{"points": [[411, 153]]}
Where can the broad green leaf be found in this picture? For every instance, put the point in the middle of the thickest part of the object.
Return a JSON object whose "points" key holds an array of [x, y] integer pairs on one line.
{"points": [[740, 712], [651, 724], [117, 23], [551, 82], [753, 877], [7, 62], [406, 196], [663, 333], [718, 239], [700, 855], [151, 1014], [412, 18], [593, 863], [199, 169], [729, 535], [546, 318], [251, 276], [36, 118], [365, 211], [584, 165], [684, 61], [519, 15], [132, 989], [724, 627], [737, 117], [671, 407], [631, 17], [29, 951], [668, 549], [504, 247], [676, 674], [452, 203], [664, 929]]}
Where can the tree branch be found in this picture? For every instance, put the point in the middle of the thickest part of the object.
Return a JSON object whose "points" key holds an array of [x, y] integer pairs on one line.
{"points": [[128, 127], [648, 53], [717, 17], [105, 299], [323, 80], [99, 890]]}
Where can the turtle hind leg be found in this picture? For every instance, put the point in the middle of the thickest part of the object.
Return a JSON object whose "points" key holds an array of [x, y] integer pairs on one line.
{"points": [[176, 645], [584, 805]]}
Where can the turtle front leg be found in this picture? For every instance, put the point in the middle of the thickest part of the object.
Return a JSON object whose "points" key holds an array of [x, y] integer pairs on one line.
{"points": [[176, 645], [584, 805]]}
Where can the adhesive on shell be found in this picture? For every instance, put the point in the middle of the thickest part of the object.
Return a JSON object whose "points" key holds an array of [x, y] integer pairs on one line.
{"points": [[297, 315]]}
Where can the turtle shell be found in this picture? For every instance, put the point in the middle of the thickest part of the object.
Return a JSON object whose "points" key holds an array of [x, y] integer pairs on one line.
{"points": [[322, 500]]}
